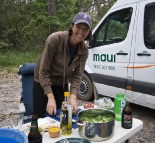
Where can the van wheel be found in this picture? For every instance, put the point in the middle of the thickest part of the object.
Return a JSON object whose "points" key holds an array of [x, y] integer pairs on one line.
{"points": [[86, 89]]}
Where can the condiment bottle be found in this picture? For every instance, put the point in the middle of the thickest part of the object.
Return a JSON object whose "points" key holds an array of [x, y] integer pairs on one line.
{"points": [[119, 103], [66, 116], [34, 135], [127, 116]]}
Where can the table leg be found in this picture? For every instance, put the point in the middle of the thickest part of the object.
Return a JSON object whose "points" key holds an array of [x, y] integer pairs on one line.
{"points": [[127, 141]]}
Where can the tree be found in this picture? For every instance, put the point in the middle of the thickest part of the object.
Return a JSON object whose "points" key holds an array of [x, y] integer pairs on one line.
{"points": [[51, 6], [25, 24]]}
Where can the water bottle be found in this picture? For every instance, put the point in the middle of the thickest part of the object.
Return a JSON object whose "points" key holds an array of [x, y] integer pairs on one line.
{"points": [[119, 104]]}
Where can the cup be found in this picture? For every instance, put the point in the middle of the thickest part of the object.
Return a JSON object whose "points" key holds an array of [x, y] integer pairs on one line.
{"points": [[17, 121]]}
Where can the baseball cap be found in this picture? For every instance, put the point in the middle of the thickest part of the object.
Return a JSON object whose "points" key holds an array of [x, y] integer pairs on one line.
{"points": [[82, 17]]}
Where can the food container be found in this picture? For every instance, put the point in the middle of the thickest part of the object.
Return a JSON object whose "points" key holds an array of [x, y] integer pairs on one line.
{"points": [[54, 131], [96, 124]]}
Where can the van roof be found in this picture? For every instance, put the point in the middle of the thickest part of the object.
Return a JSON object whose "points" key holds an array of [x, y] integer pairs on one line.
{"points": [[120, 3]]}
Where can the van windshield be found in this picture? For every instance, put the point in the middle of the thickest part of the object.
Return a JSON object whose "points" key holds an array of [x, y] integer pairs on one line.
{"points": [[113, 29], [118, 26]]}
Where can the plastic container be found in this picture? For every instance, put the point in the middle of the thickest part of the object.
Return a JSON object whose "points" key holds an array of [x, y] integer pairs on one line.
{"points": [[119, 104], [12, 136]]}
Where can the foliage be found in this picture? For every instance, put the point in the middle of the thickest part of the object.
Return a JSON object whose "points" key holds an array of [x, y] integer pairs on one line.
{"points": [[13, 58], [25, 24]]}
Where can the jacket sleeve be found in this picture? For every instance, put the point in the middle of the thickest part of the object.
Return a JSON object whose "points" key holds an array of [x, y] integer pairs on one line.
{"points": [[45, 62], [78, 74]]}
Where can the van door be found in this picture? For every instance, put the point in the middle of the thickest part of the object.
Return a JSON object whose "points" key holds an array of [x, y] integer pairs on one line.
{"points": [[110, 51], [144, 63]]}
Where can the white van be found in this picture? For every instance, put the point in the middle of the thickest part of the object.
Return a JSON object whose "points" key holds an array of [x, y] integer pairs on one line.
{"points": [[122, 54]]}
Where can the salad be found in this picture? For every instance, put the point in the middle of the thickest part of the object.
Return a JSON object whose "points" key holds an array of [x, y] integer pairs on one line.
{"points": [[96, 116]]}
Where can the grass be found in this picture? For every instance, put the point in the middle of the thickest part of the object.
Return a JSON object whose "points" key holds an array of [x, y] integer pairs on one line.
{"points": [[10, 60]]}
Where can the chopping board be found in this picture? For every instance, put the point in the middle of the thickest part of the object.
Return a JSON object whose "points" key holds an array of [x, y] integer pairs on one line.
{"points": [[75, 117]]}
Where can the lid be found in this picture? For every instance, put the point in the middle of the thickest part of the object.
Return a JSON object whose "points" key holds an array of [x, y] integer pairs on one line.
{"points": [[34, 117], [120, 95], [66, 93], [127, 103]]}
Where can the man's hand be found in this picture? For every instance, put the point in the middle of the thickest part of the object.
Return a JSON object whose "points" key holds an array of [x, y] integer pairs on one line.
{"points": [[73, 102], [51, 104]]}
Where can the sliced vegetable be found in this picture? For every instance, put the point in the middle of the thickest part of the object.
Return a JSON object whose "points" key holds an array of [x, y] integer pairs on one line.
{"points": [[96, 116], [88, 105]]}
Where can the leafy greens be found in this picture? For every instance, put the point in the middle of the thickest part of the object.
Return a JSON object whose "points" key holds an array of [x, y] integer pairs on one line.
{"points": [[96, 116]]}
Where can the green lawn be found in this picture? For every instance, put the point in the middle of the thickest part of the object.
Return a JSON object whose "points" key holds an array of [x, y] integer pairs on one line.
{"points": [[10, 60]]}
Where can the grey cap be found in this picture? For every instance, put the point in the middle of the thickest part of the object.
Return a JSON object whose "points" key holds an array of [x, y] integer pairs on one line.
{"points": [[82, 17]]}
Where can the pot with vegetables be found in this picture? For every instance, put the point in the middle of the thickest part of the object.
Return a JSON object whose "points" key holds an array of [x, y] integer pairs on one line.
{"points": [[96, 124]]}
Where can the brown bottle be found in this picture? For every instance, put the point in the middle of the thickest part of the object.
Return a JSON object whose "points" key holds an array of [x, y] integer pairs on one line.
{"points": [[34, 135], [127, 116]]}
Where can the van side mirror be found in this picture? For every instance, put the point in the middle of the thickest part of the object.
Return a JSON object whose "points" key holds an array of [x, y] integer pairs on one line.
{"points": [[91, 43]]}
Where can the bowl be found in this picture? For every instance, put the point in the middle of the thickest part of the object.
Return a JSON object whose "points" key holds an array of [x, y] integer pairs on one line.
{"points": [[54, 131], [96, 124], [12, 135]]}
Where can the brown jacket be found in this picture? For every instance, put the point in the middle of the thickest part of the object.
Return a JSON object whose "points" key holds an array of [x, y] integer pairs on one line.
{"points": [[52, 68]]}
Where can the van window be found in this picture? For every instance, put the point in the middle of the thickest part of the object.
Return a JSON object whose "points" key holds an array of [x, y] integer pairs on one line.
{"points": [[113, 29], [149, 26]]}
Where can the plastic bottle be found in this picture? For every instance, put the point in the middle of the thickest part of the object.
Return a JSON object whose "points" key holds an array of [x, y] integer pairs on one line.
{"points": [[66, 116], [34, 135], [127, 116], [119, 103]]}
